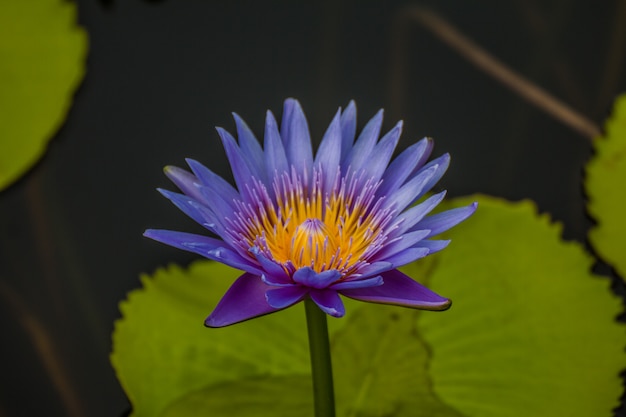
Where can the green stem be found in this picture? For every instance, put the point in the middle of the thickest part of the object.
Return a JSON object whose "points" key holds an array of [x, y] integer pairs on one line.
{"points": [[321, 366]]}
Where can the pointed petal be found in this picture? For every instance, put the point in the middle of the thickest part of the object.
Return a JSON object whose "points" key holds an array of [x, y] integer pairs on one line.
{"points": [[379, 159], [329, 302], [374, 268], [309, 278], [400, 289], [241, 171], [208, 247], [407, 256], [284, 297], [411, 216], [250, 146], [358, 283], [194, 209], [272, 268], [218, 185], [275, 157], [244, 300], [441, 222], [296, 138], [360, 152], [404, 164], [329, 152], [403, 242], [348, 128], [184, 180], [410, 191], [433, 245], [442, 163]]}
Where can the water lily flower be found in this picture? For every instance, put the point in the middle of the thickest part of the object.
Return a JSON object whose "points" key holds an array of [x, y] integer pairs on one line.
{"points": [[298, 224]]}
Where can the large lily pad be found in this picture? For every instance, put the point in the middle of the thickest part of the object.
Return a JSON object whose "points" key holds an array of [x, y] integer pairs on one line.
{"points": [[606, 188], [532, 332], [42, 61]]}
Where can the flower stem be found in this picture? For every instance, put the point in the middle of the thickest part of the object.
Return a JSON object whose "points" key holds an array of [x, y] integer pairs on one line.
{"points": [[321, 366]]}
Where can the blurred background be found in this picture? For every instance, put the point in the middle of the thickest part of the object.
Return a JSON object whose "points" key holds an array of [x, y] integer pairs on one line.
{"points": [[161, 74]]}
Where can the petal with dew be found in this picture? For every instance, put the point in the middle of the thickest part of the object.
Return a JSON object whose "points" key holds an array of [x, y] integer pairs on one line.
{"points": [[400, 289], [208, 247], [244, 300]]}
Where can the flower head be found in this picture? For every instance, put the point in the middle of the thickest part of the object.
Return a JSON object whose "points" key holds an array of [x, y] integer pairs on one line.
{"points": [[340, 221]]}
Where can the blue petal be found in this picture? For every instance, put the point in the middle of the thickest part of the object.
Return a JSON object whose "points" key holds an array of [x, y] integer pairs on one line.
{"points": [[250, 146], [407, 256], [296, 138], [433, 245], [400, 289], [411, 216], [404, 164], [442, 163], [194, 209], [241, 171], [275, 157], [272, 268], [329, 302], [360, 152], [329, 152], [409, 192], [374, 268], [244, 300], [185, 181], [284, 297], [441, 222], [403, 242], [208, 247], [377, 163], [308, 277], [358, 283], [348, 129], [217, 185]]}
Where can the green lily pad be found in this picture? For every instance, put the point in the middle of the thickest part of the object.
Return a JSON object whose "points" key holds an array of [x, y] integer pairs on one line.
{"points": [[531, 332], [606, 176], [42, 61], [170, 364]]}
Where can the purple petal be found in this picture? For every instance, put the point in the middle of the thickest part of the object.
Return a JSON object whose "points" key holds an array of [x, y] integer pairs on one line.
{"points": [[360, 152], [275, 157], [442, 163], [410, 217], [194, 209], [185, 181], [400, 289], [408, 193], [407, 256], [244, 300], [284, 297], [379, 159], [404, 164], [216, 184], [250, 146], [374, 268], [308, 277], [208, 247], [238, 165], [295, 134], [433, 245], [329, 152], [329, 302], [358, 283], [441, 222], [348, 128], [276, 271], [403, 242]]}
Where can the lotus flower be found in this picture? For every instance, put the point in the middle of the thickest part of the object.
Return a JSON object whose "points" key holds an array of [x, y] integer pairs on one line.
{"points": [[335, 223]]}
